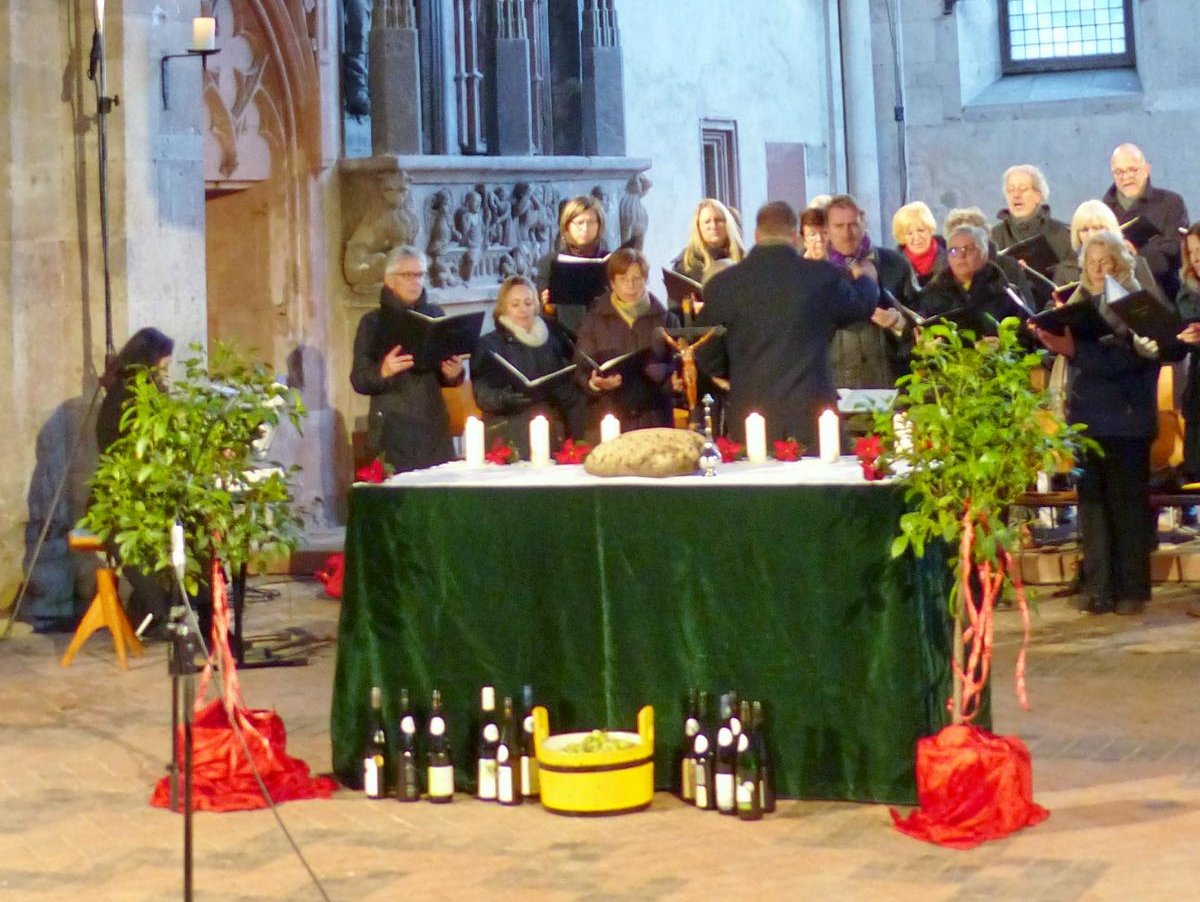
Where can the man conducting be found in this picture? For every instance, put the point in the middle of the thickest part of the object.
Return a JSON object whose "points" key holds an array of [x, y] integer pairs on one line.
{"points": [[781, 312]]}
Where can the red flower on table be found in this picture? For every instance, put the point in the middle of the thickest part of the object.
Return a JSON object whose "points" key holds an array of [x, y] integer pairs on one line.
{"points": [[730, 450], [502, 453], [572, 452], [868, 449], [788, 449], [376, 471]]}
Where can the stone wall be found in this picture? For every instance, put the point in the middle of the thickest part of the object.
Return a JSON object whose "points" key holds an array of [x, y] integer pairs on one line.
{"points": [[763, 65], [966, 124]]}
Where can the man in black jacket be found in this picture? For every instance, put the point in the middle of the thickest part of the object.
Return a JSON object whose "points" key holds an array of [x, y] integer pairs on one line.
{"points": [[1160, 215], [780, 312]]}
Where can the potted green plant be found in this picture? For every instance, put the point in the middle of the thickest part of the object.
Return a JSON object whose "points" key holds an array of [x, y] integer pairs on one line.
{"points": [[972, 434], [183, 458]]}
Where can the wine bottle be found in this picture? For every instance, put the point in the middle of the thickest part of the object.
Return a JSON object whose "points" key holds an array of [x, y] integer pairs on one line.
{"points": [[766, 772], [687, 764], [530, 784], [702, 761], [489, 736], [508, 758], [439, 768], [726, 761], [735, 722], [749, 805], [408, 784], [375, 755]]}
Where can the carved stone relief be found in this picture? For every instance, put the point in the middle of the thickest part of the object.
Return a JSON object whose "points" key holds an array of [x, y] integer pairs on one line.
{"points": [[477, 224]]}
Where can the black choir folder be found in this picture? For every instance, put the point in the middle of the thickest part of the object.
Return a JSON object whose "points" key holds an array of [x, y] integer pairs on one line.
{"points": [[1147, 316], [1035, 253], [430, 339], [577, 280], [1139, 230], [680, 286], [524, 382], [1082, 317]]}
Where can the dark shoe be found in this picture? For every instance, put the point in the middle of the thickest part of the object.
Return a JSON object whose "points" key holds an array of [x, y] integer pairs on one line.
{"points": [[1127, 606], [1096, 606]]}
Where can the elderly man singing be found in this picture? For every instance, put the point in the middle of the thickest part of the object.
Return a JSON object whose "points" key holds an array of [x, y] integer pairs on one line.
{"points": [[1160, 215]]}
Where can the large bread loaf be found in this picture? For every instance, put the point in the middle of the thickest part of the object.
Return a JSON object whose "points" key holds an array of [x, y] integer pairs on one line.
{"points": [[647, 452]]}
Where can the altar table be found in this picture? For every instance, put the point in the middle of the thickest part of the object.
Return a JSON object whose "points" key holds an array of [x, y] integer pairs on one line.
{"points": [[774, 580]]}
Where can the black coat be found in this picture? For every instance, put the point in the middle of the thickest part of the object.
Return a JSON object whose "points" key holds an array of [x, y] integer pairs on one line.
{"points": [[987, 299], [781, 312], [1112, 389], [407, 424], [508, 407], [1168, 213]]}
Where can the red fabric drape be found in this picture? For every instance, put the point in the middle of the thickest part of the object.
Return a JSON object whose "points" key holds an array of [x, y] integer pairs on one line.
{"points": [[972, 786], [222, 778]]}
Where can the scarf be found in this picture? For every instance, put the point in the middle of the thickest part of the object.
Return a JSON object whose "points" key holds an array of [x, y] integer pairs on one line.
{"points": [[922, 263], [844, 260], [1025, 228], [533, 337], [630, 312]]}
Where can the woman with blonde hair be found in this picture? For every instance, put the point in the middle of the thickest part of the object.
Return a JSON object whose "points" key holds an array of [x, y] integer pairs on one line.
{"points": [[1090, 217], [522, 340], [1112, 383], [714, 236], [915, 231]]}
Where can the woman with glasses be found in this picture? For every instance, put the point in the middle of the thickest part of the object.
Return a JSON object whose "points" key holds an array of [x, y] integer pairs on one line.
{"points": [[626, 319], [408, 425], [972, 287], [814, 233]]}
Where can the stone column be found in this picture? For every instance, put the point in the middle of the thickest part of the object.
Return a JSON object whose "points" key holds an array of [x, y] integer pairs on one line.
{"points": [[395, 79], [603, 82], [514, 110]]}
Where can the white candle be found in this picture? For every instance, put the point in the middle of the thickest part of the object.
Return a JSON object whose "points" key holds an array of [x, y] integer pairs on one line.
{"points": [[100, 17], [610, 428], [756, 439], [539, 441], [204, 33], [473, 441], [828, 430]]}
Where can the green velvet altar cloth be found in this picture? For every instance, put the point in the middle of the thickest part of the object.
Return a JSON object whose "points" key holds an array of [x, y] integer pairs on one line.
{"points": [[609, 597]]}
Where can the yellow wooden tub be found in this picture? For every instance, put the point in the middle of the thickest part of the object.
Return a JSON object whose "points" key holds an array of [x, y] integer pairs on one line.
{"points": [[595, 783]]}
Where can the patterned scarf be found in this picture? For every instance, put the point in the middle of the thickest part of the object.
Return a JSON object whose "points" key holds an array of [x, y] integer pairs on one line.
{"points": [[844, 260]]}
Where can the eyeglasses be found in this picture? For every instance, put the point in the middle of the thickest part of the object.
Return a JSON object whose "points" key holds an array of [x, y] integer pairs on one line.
{"points": [[962, 251], [1126, 172], [419, 274]]}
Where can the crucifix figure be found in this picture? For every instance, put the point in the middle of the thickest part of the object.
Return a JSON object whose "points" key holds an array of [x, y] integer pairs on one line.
{"points": [[687, 355]]}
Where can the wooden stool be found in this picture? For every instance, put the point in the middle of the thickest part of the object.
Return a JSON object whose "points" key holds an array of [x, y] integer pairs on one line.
{"points": [[105, 610]]}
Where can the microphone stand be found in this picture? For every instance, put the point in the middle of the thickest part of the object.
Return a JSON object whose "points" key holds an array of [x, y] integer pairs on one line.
{"points": [[181, 665], [186, 641], [98, 74]]}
